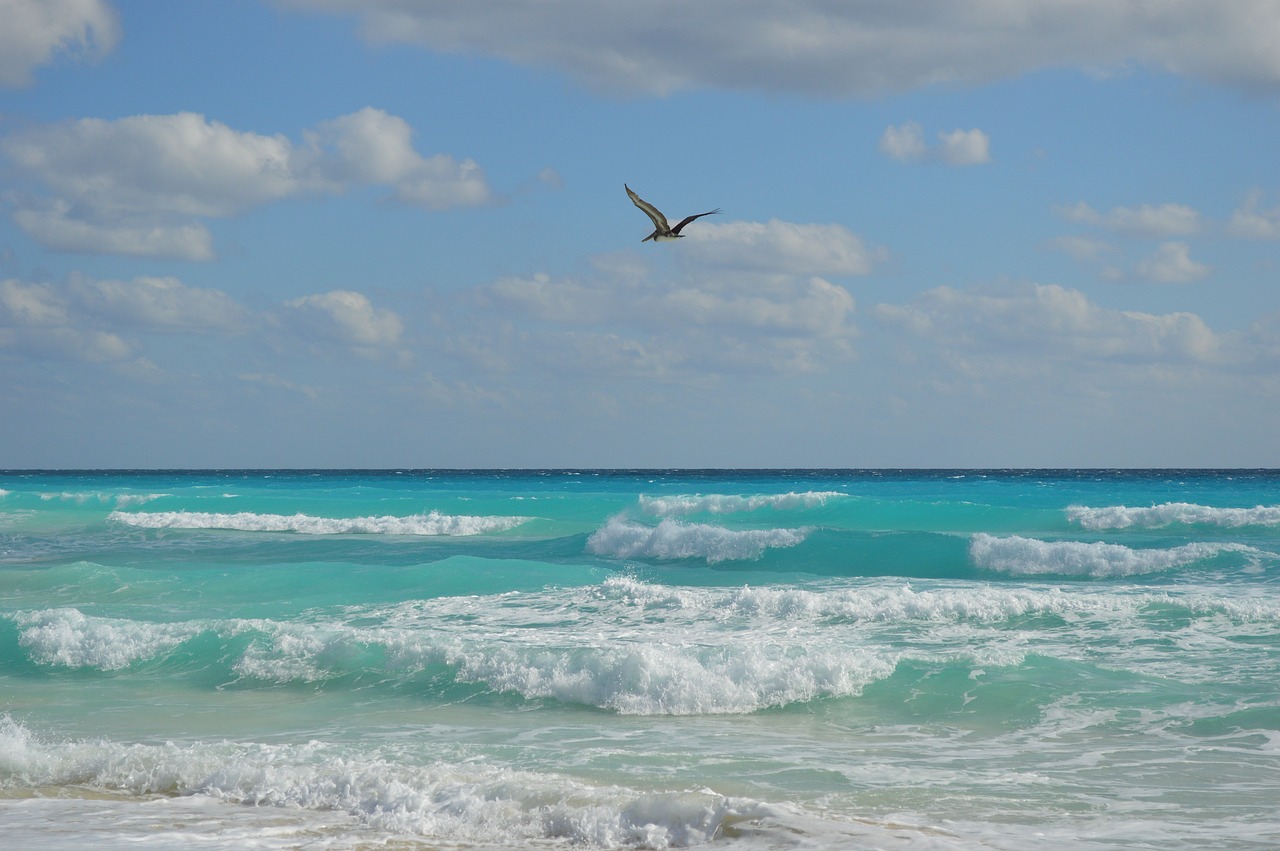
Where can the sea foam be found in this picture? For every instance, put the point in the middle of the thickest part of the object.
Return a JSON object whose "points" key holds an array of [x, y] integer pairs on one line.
{"points": [[432, 523], [669, 506], [789, 606], [69, 638], [1028, 556], [673, 539], [1170, 513], [440, 801]]}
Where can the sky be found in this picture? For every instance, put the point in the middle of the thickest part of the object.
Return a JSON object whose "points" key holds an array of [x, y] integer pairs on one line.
{"points": [[388, 233]]}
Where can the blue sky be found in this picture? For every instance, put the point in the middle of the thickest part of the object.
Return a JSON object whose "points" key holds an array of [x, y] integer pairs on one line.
{"points": [[384, 233]]}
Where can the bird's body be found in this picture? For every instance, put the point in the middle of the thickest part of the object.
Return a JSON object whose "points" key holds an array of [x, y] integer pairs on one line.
{"points": [[662, 232]]}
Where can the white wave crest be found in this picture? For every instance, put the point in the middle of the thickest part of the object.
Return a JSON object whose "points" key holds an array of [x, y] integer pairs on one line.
{"points": [[120, 499], [465, 804], [668, 506], [672, 539], [664, 678], [1156, 516], [1027, 556], [69, 638], [433, 523], [875, 604]]}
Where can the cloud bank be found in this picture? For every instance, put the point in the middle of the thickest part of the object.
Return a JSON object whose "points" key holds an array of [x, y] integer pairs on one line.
{"points": [[823, 48]]}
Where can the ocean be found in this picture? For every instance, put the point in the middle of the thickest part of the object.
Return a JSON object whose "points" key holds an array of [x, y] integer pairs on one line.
{"points": [[738, 660]]}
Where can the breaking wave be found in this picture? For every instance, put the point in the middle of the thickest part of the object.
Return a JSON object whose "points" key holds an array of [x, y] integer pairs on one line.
{"points": [[433, 523], [120, 499], [66, 637], [449, 802], [625, 645], [1028, 556], [668, 506], [673, 539], [1170, 513]]}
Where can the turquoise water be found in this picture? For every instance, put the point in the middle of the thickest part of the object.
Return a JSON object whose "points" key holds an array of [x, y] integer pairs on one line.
{"points": [[640, 659]]}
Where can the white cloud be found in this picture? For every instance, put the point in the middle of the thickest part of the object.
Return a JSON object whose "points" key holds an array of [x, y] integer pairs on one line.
{"points": [[959, 147], [965, 147], [780, 304], [141, 184], [1172, 264], [158, 304], [778, 246], [347, 318], [54, 223], [715, 319], [30, 304], [35, 30], [1147, 220], [36, 320], [1082, 248], [905, 143], [818, 47], [1015, 327], [83, 318], [373, 147], [70, 344], [1250, 222]]}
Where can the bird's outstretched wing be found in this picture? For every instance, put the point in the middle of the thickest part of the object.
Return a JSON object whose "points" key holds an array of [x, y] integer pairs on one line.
{"points": [[659, 220], [688, 219]]}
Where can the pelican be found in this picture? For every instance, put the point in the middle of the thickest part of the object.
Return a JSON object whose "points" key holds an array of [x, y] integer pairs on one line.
{"points": [[661, 230]]}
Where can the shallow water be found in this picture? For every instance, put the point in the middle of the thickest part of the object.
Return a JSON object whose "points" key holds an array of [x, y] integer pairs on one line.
{"points": [[640, 659]]}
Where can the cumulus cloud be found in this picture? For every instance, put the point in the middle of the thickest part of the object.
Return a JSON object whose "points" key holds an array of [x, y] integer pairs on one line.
{"points": [[143, 184], [163, 305], [35, 31], [1147, 220], [1047, 322], [1082, 248], [31, 305], [55, 224], [88, 319], [373, 147], [904, 144], [959, 147], [1252, 222], [778, 246], [808, 306], [347, 318], [964, 147], [818, 47], [752, 302], [1172, 264], [158, 304]]}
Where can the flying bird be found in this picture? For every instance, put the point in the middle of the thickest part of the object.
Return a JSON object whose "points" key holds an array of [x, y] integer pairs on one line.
{"points": [[661, 230]]}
